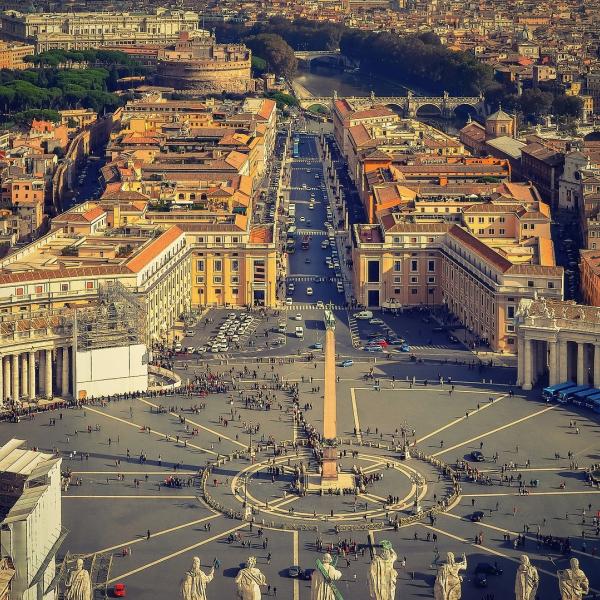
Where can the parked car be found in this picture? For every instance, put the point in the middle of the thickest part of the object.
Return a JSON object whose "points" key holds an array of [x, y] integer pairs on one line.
{"points": [[320, 304], [373, 348], [317, 346], [376, 321], [477, 516], [299, 332], [119, 590], [298, 317], [363, 315], [404, 348], [347, 363], [477, 456], [288, 301], [309, 291]]}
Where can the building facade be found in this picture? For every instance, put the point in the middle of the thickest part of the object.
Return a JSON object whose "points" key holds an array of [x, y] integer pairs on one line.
{"points": [[558, 342], [81, 30]]}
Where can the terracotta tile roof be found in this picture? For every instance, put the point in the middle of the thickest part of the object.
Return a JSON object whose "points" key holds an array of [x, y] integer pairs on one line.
{"points": [[342, 107], [488, 254], [261, 235], [266, 109], [359, 134], [64, 273], [545, 154], [153, 249], [372, 113]]}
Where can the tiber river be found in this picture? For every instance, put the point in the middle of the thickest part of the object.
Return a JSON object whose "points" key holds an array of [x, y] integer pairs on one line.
{"points": [[322, 81]]}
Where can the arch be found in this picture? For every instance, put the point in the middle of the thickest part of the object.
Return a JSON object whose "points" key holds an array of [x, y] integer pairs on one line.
{"points": [[318, 109], [464, 110], [397, 108], [325, 60], [428, 110]]}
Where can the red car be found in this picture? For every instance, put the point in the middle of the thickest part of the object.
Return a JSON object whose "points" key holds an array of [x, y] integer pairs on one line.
{"points": [[119, 591]]}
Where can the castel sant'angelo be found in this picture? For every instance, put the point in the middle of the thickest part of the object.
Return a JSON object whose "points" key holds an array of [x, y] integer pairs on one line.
{"points": [[196, 62]]}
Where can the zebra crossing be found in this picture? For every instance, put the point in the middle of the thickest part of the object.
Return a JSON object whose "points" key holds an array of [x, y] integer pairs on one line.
{"points": [[354, 333], [303, 189], [312, 232], [312, 278], [300, 306]]}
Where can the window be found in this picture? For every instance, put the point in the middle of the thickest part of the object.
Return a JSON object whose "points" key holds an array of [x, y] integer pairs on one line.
{"points": [[480, 220], [200, 265], [201, 239], [501, 231], [396, 240], [397, 290], [431, 266], [39, 289], [481, 231], [510, 341], [414, 291], [64, 287], [414, 265], [217, 279], [218, 265], [260, 272], [524, 225], [501, 219], [531, 225], [235, 279], [235, 265], [397, 279], [413, 240], [510, 312], [218, 291], [551, 285], [235, 291], [89, 285], [200, 279], [471, 220], [492, 231], [530, 283], [19, 291], [510, 328], [431, 280], [398, 266], [373, 271], [414, 280]]}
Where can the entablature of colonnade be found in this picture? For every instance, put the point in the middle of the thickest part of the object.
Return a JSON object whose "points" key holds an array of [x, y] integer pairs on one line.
{"points": [[40, 341]]}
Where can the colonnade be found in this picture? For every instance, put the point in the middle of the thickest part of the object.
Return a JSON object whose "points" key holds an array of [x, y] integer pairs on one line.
{"points": [[561, 358], [35, 374]]}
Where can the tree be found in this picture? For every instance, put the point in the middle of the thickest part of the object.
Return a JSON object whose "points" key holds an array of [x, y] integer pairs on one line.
{"points": [[431, 38], [534, 102], [567, 106], [277, 53]]}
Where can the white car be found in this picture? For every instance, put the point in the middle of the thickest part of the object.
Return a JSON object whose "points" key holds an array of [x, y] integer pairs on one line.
{"points": [[320, 304], [299, 332], [298, 317], [302, 219], [189, 332], [376, 321], [288, 301], [363, 315], [309, 291]]}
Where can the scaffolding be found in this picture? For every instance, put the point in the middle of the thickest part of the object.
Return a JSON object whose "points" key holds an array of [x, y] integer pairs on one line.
{"points": [[117, 319], [98, 566]]}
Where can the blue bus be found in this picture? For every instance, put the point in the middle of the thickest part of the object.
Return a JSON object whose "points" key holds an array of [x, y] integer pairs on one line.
{"points": [[593, 401], [567, 394], [550, 392], [580, 397], [295, 150]]}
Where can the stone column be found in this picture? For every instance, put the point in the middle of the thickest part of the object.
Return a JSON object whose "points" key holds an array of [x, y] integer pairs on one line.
{"points": [[580, 364], [1, 381], [520, 360], [527, 363], [24, 374], [32, 375], [596, 365], [48, 373], [15, 377], [64, 384], [563, 362], [7, 380], [553, 377]]}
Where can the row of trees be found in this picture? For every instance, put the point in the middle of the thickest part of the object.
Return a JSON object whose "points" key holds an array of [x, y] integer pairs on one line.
{"points": [[276, 53], [417, 61], [54, 89]]}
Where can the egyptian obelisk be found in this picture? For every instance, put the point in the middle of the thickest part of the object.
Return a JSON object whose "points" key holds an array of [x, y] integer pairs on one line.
{"points": [[329, 472]]}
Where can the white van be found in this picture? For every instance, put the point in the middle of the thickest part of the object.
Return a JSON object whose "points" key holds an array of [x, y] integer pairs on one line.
{"points": [[363, 314], [300, 332]]}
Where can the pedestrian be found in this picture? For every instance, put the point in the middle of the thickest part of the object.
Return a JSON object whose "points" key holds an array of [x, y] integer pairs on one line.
{"points": [[148, 534]]}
